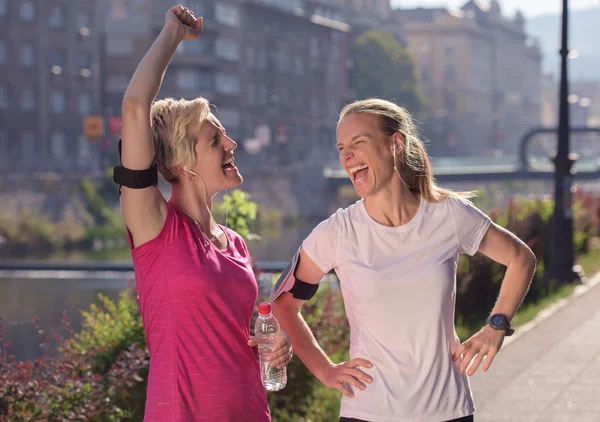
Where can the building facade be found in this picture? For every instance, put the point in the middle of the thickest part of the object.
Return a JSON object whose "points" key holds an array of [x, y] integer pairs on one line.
{"points": [[481, 75], [50, 82]]}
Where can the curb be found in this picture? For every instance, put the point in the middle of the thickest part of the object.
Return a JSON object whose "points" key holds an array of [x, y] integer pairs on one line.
{"points": [[546, 313]]}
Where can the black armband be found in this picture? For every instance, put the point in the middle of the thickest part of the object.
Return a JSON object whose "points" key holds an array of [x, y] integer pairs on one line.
{"points": [[303, 290], [134, 179], [289, 283]]}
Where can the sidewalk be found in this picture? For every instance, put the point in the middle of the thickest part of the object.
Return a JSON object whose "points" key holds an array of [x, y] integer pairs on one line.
{"points": [[551, 373]]}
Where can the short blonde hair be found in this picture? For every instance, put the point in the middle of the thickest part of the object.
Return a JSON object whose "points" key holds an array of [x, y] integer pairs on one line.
{"points": [[174, 146]]}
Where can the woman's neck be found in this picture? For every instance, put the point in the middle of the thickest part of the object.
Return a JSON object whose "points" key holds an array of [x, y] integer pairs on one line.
{"points": [[394, 205], [190, 201]]}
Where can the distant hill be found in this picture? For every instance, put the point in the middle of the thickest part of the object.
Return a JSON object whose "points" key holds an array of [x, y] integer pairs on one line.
{"points": [[582, 27]]}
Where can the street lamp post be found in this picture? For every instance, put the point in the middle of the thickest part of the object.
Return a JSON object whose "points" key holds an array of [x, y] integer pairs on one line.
{"points": [[561, 256]]}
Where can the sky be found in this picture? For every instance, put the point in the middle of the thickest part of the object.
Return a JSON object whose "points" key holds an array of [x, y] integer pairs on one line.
{"points": [[530, 8]]}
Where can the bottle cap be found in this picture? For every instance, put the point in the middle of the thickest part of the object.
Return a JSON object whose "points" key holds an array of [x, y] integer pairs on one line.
{"points": [[264, 308]]}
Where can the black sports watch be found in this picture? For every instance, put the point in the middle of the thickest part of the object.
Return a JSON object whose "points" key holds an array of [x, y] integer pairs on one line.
{"points": [[500, 322]]}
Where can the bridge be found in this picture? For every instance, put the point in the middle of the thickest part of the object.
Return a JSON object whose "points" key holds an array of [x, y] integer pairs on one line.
{"points": [[484, 169], [523, 166]]}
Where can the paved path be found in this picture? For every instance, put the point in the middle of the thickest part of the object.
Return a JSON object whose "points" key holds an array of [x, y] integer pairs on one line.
{"points": [[550, 373]]}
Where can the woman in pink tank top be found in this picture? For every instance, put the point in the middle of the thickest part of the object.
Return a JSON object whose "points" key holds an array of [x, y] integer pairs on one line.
{"points": [[196, 288]]}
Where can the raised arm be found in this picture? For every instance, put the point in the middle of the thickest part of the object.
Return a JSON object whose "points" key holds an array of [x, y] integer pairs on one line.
{"points": [[287, 310], [145, 209]]}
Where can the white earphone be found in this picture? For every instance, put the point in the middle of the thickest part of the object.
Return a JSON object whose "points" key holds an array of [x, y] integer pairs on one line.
{"points": [[394, 144]]}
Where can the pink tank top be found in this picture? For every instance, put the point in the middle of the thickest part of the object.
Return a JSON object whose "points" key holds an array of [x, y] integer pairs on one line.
{"points": [[196, 302]]}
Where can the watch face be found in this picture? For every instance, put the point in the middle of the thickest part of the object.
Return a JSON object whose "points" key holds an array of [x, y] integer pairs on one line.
{"points": [[498, 321]]}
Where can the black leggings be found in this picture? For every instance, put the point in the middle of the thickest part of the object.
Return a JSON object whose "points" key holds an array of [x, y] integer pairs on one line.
{"points": [[465, 419]]}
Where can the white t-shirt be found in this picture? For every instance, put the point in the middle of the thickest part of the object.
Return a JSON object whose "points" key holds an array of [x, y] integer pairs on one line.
{"points": [[399, 289]]}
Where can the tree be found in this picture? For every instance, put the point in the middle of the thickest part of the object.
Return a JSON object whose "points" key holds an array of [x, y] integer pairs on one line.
{"points": [[384, 69]]}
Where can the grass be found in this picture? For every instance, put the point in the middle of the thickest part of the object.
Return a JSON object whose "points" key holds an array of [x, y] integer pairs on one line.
{"points": [[591, 266], [590, 263], [529, 312]]}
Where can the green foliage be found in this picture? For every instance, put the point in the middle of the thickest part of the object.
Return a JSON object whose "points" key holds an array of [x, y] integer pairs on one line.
{"points": [[92, 379], [85, 216], [306, 398], [239, 210], [109, 328], [108, 223], [384, 69], [101, 372], [30, 227]]}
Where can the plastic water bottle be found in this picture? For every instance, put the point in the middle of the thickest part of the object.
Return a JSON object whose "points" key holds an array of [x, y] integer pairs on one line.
{"points": [[265, 330]]}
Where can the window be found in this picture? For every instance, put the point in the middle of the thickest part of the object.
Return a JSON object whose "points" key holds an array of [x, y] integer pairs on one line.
{"points": [[450, 102], [56, 58], [424, 74], [119, 46], [449, 49], [227, 49], [27, 99], [299, 65], [118, 10], [84, 147], [58, 144], [3, 97], [227, 14], [117, 83], [27, 144], [198, 7], [3, 53], [197, 47], [84, 104], [4, 147], [84, 61], [250, 57], [262, 59], [449, 73], [262, 94], [56, 18], [227, 84], [82, 20], [57, 101], [314, 106], [229, 118], [193, 80], [314, 47], [251, 93], [27, 56], [26, 10]]}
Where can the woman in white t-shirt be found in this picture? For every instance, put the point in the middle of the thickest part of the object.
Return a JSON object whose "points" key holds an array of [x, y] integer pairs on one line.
{"points": [[395, 252]]}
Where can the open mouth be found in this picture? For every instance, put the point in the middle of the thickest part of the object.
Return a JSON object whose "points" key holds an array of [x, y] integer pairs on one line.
{"points": [[359, 173], [228, 164]]}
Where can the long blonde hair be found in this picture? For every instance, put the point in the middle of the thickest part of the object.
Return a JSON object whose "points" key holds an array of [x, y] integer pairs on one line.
{"points": [[173, 144], [414, 165]]}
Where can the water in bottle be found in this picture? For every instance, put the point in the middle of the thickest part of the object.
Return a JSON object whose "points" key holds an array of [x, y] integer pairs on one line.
{"points": [[265, 330]]}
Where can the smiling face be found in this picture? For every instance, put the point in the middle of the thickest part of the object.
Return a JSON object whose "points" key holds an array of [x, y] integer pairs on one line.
{"points": [[215, 156], [365, 152]]}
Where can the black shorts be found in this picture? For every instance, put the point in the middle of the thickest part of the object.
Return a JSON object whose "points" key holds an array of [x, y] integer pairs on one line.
{"points": [[465, 419]]}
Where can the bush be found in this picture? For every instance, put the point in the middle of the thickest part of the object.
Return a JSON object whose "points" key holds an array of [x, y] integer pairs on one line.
{"points": [[305, 398], [66, 385], [100, 373]]}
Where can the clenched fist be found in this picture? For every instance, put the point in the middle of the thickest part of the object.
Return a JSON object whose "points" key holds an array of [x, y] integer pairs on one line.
{"points": [[183, 20]]}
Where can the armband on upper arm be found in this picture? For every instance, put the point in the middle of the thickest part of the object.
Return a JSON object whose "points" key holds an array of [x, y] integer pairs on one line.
{"points": [[134, 179], [289, 283]]}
